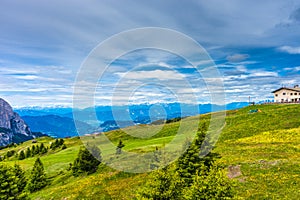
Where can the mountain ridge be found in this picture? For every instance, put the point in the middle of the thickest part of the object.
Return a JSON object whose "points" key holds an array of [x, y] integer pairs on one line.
{"points": [[12, 127]]}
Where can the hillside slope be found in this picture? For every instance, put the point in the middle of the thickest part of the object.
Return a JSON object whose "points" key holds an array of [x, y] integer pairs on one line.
{"points": [[263, 148]]}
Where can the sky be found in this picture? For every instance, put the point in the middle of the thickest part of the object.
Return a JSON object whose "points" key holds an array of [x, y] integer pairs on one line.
{"points": [[255, 46]]}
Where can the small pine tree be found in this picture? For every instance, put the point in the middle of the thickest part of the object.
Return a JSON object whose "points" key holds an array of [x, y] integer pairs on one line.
{"points": [[119, 147], [190, 162], [156, 159], [38, 177], [87, 161], [43, 149], [28, 152], [21, 155], [21, 179], [33, 150], [37, 150], [10, 153], [164, 184]]}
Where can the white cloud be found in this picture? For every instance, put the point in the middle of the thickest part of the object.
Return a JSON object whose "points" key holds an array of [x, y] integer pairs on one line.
{"points": [[263, 74], [237, 57], [293, 69], [156, 74], [289, 49]]}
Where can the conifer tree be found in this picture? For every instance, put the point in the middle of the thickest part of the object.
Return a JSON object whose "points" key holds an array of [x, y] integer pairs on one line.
{"points": [[87, 161], [42, 148], [163, 184], [119, 147], [8, 185], [36, 150], [33, 150], [28, 152], [191, 161], [21, 179], [21, 155], [156, 159], [11, 183], [38, 177]]}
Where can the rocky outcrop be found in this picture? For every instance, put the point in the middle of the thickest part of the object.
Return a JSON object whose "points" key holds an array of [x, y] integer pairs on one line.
{"points": [[12, 127]]}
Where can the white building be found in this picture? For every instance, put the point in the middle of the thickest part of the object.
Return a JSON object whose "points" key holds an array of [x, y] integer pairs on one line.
{"points": [[285, 94]]}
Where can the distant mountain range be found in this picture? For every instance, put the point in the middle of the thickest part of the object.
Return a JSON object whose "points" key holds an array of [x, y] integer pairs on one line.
{"points": [[59, 122], [57, 126]]}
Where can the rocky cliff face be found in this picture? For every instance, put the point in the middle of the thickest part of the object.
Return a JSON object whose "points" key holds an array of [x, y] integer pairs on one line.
{"points": [[12, 126]]}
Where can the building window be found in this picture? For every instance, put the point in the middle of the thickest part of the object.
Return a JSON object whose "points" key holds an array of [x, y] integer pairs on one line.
{"points": [[283, 93], [276, 95], [295, 93], [291, 94]]}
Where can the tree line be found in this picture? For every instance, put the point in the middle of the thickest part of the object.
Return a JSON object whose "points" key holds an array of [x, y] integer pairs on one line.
{"points": [[38, 149]]}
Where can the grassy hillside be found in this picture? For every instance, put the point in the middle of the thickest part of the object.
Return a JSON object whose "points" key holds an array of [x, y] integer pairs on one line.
{"points": [[264, 147]]}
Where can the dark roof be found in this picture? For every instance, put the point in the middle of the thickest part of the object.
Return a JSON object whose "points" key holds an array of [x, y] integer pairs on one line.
{"points": [[293, 89]]}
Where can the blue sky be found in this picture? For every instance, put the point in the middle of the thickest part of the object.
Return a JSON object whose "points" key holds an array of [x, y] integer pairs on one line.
{"points": [[255, 45]]}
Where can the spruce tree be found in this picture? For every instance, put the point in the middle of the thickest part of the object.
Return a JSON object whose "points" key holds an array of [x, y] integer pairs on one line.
{"points": [[87, 161], [33, 150], [37, 150], [8, 186], [119, 147], [11, 183], [38, 177], [28, 152], [191, 161], [20, 179], [156, 159], [42, 148], [21, 155], [163, 184]]}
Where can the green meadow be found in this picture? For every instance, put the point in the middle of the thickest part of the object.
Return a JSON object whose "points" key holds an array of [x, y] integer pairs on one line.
{"points": [[264, 147]]}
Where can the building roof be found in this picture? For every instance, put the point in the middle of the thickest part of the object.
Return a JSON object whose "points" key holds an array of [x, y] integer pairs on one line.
{"points": [[296, 89]]}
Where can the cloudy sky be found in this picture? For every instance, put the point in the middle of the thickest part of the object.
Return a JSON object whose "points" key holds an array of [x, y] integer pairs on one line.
{"points": [[254, 44]]}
